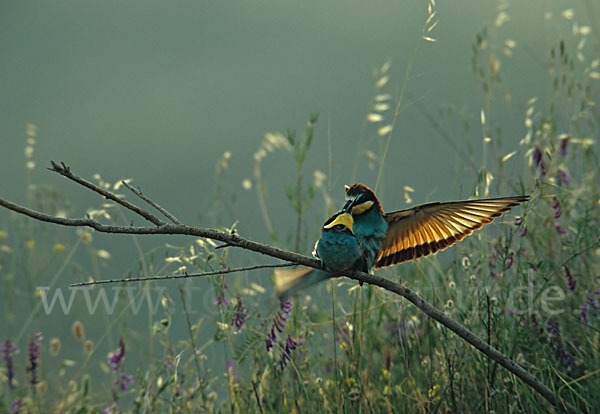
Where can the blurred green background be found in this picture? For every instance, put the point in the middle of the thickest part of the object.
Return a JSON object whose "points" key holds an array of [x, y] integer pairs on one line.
{"points": [[159, 91]]}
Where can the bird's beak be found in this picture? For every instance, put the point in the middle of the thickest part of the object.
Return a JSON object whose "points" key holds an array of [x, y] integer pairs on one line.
{"points": [[348, 206]]}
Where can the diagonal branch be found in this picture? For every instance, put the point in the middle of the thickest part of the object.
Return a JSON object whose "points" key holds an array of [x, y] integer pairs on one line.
{"points": [[234, 240], [65, 171]]}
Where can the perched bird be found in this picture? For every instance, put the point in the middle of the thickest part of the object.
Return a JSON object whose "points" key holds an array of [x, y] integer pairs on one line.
{"points": [[391, 238], [338, 250]]}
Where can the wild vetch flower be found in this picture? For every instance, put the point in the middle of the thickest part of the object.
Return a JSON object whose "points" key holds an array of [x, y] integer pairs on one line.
{"points": [[570, 280], [113, 408], [115, 360], [15, 407], [519, 223], [563, 177], [34, 354], [558, 228], [7, 348], [555, 340], [239, 314], [538, 161], [221, 300], [279, 322], [523, 232], [556, 207], [286, 353]]}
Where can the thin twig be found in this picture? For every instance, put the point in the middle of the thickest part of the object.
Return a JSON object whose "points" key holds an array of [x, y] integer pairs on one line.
{"points": [[65, 171], [138, 192], [184, 276]]}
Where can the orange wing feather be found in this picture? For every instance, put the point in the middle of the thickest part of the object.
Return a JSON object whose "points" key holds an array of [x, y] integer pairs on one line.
{"points": [[429, 228]]}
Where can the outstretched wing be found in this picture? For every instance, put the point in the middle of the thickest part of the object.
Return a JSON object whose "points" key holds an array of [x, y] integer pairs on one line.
{"points": [[428, 228]]}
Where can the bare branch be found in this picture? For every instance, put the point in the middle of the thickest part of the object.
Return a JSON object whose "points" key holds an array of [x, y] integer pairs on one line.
{"points": [[184, 276], [138, 192], [236, 241], [231, 239], [65, 171]]}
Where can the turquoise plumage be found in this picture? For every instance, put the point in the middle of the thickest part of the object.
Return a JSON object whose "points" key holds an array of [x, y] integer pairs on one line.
{"points": [[337, 248]]}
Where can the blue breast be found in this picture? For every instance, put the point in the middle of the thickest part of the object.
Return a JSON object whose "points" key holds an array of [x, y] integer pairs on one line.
{"points": [[338, 251], [370, 229]]}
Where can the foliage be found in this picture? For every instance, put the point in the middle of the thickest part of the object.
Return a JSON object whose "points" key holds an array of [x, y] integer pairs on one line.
{"points": [[530, 288]]}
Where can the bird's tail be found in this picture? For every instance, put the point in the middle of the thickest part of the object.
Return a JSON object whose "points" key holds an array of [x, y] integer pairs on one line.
{"points": [[288, 282]]}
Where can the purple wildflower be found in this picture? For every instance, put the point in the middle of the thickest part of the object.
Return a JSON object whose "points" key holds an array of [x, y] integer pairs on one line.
{"points": [[519, 223], [558, 228], [563, 177], [556, 207], [113, 408], [15, 407], [538, 161], [35, 349], [570, 280], [221, 300], [7, 348], [115, 360], [523, 232], [555, 340], [239, 314], [279, 322], [286, 353], [564, 143]]}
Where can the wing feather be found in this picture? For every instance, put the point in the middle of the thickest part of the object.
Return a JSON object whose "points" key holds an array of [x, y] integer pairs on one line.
{"points": [[429, 228]]}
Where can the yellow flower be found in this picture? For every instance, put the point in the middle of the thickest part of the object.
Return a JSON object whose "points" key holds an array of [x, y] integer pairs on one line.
{"points": [[58, 247], [433, 391]]}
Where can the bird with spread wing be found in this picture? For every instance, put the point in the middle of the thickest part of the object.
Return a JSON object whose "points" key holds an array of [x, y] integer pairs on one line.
{"points": [[362, 236], [391, 238]]}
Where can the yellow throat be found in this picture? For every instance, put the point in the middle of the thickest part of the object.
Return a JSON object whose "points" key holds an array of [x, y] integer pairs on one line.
{"points": [[344, 219]]}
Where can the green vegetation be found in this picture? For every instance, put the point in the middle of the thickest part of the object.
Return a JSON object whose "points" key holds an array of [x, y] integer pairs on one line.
{"points": [[529, 285]]}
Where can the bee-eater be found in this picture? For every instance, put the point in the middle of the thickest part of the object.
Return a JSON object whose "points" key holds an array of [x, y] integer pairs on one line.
{"points": [[391, 238], [337, 248]]}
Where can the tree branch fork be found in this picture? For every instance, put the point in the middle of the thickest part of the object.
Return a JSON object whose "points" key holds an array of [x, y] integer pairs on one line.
{"points": [[234, 240]]}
